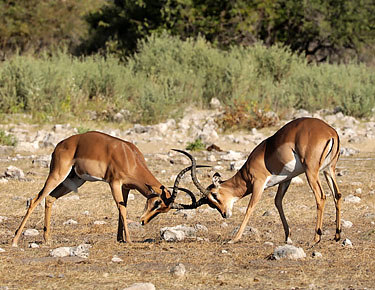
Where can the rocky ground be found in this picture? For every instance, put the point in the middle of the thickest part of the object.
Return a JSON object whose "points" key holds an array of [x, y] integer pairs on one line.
{"points": [[186, 249]]}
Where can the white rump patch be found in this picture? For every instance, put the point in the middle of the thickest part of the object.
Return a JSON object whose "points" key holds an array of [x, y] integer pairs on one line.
{"points": [[290, 170], [327, 159]]}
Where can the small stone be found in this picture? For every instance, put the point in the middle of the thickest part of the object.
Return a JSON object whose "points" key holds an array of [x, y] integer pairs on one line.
{"points": [[3, 218], [31, 232], [33, 245], [60, 252], [99, 222], [116, 259], [178, 270], [346, 224], [70, 222], [14, 173], [211, 158], [289, 252], [141, 286], [352, 199], [297, 180], [347, 243], [358, 191], [317, 254]]}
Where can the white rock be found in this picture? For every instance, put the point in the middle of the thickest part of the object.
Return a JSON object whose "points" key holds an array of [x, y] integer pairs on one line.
{"points": [[215, 103], [178, 270], [347, 243], [358, 191], [81, 251], [3, 180], [200, 227], [232, 156], [2, 250], [116, 259], [211, 158], [289, 252], [3, 218], [141, 286], [177, 233], [31, 232], [171, 235], [236, 165], [297, 180], [346, 224], [70, 222], [317, 254], [352, 199], [14, 172], [33, 245], [60, 252], [99, 222]]}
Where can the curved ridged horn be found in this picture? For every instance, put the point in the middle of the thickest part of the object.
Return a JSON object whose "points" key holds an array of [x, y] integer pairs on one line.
{"points": [[178, 179], [204, 191], [186, 206]]}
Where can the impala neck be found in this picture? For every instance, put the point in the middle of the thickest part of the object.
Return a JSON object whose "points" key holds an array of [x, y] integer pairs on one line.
{"points": [[239, 185]]}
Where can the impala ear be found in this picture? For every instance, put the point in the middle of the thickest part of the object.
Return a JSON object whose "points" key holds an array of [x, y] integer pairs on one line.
{"points": [[216, 180]]}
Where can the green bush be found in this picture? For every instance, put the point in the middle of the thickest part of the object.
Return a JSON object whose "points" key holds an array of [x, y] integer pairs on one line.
{"points": [[167, 74], [7, 139], [196, 145]]}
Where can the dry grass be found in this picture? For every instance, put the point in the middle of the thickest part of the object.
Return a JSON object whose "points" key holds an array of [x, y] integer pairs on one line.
{"points": [[243, 266]]}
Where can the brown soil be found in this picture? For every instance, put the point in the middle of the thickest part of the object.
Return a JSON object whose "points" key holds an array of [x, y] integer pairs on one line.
{"points": [[211, 262]]}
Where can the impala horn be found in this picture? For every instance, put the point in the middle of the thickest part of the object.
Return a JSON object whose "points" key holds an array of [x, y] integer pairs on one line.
{"points": [[176, 189], [194, 166]]}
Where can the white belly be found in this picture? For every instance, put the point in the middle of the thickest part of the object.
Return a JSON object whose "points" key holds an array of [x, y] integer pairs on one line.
{"points": [[290, 170]]}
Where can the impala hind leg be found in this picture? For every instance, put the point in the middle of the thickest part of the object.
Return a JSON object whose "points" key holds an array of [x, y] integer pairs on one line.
{"points": [[320, 197], [117, 193], [332, 183], [71, 183], [55, 177], [122, 231], [283, 187], [255, 197]]}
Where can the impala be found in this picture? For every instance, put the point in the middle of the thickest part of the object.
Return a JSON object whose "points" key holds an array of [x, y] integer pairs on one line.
{"points": [[95, 156], [306, 145]]}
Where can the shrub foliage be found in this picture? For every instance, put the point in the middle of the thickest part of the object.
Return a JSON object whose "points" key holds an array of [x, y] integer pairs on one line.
{"points": [[168, 74]]}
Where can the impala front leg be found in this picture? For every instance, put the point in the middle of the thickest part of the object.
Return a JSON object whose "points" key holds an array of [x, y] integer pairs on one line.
{"points": [[258, 188], [122, 231], [121, 205]]}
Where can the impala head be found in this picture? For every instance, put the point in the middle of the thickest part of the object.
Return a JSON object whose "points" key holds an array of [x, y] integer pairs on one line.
{"points": [[158, 201], [161, 200], [216, 195]]}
